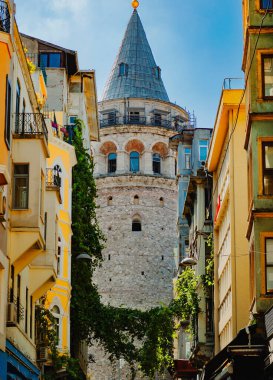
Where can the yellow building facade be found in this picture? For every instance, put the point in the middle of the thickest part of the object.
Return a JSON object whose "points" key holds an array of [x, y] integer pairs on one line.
{"points": [[228, 162]]}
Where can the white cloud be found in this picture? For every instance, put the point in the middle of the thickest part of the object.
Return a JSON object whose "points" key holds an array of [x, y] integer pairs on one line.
{"points": [[76, 7]]}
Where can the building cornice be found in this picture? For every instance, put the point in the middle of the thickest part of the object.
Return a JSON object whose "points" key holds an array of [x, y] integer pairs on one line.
{"points": [[136, 180]]}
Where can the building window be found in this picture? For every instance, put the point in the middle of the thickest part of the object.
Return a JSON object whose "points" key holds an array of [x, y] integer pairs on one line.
{"points": [[72, 120], [112, 118], [156, 163], [59, 255], [8, 112], [136, 225], [50, 60], [161, 200], [187, 158], [269, 264], [267, 73], [157, 71], [266, 4], [17, 105], [158, 118], [267, 168], [57, 316], [123, 69], [203, 150], [112, 163], [134, 117], [134, 161], [26, 312], [20, 186], [136, 200], [110, 201]]}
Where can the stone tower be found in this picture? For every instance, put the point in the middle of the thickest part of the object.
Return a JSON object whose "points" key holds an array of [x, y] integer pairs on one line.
{"points": [[136, 182]]}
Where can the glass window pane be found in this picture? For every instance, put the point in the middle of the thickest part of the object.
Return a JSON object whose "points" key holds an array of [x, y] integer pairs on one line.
{"points": [[269, 278], [268, 184], [268, 151], [268, 76], [21, 169], [269, 251], [203, 153], [21, 193], [54, 60]]}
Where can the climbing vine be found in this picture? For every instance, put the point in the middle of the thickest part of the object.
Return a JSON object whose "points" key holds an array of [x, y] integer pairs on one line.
{"points": [[144, 339], [46, 337], [208, 277], [186, 303]]}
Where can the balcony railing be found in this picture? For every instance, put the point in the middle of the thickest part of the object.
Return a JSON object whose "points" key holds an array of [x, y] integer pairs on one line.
{"points": [[30, 124], [53, 178], [142, 120], [4, 17]]}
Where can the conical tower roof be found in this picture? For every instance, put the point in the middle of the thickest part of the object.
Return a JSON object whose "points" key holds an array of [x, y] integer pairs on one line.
{"points": [[135, 73]]}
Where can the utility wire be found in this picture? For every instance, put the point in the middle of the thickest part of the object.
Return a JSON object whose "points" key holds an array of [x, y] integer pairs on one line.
{"points": [[239, 106]]}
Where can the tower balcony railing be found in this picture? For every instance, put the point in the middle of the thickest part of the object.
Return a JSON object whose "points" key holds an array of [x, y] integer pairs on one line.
{"points": [[4, 17], [29, 125], [175, 125]]}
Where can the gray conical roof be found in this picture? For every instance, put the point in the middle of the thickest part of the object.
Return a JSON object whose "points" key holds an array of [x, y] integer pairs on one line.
{"points": [[142, 78]]}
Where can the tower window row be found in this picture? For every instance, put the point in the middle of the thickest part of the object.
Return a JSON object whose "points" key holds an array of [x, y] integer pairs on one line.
{"points": [[135, 199], [134, 162]]}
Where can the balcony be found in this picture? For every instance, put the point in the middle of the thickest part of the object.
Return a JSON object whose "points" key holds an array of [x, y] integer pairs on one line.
{"points": [[142, 120], [15, 312], [30, 125], [53, 179], [4, 17]]}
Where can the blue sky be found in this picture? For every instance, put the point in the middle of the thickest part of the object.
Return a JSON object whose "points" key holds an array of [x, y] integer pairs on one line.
{"points": [[196, 43]]}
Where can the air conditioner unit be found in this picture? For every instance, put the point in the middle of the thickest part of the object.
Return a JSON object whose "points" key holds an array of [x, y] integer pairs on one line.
{"points": [[12, 314], [43, 354], [3, 203]]}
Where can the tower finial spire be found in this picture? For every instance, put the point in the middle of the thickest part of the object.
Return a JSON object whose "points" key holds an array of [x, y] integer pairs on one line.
{"points": [[135, 4]]}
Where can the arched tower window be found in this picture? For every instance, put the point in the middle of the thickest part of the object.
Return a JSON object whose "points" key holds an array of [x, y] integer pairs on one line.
{"points": [[156, 163], [134, 162], [136, 200], [136, 224], [123, 69], [112, 163], [161, 200], [110, 201]]}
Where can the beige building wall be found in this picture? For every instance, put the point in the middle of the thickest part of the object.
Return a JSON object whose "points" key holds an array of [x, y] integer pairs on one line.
{"points": [[227, 160]]}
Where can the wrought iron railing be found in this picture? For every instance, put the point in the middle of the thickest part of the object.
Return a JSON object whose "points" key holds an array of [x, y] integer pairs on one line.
{"points": [[4, 17], [18, 308], [30, 124], [133, 119], [157, 122], [53, 178], [141, 120]]}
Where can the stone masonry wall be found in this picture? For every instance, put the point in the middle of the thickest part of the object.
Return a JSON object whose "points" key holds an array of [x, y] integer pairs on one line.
{"points": [[138, 266]]}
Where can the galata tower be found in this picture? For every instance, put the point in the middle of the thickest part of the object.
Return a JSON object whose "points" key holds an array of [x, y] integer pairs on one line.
{"points": [[136, 182]]}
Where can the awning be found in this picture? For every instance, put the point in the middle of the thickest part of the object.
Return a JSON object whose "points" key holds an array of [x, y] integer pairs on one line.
{"points": [[184, 369], [18, 366], [245, 344]]}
